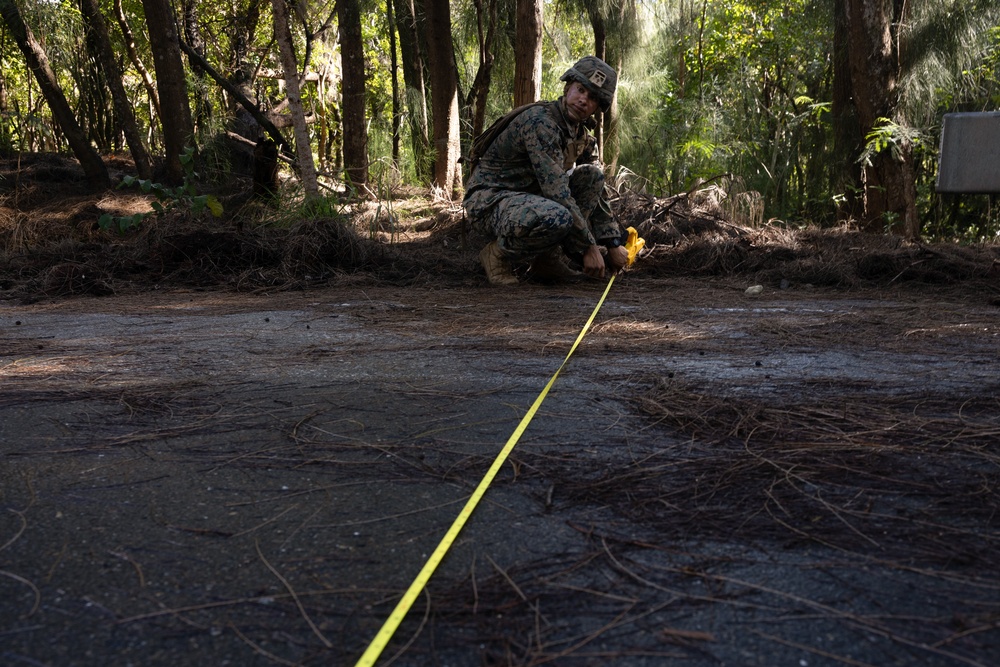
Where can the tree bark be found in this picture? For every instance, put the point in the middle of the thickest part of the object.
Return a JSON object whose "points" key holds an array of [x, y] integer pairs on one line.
{"points": [[93, 167], [133, 55], [5, 133], [610, 149], [397, 110], [92, 95], [123, 108], [444, 96], [192, 35], [480, 89], [244, 27], [889, 190], [412, 54], [528, 52], [599, 27], [352, 56], [848, 140], [303, 149], [171, 85]]}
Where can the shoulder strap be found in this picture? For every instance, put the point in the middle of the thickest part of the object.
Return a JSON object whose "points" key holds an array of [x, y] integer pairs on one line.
{"points": [[482, 143]]}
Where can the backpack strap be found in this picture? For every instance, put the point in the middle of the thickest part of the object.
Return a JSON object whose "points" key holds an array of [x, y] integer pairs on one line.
{"points": [[483, 142]]}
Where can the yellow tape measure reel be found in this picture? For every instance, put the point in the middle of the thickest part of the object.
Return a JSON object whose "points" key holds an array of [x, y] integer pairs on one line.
{"points": [[634, 244]]}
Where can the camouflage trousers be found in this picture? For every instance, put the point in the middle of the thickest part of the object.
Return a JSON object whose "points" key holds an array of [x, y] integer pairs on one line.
{"points": [[526, 225]]}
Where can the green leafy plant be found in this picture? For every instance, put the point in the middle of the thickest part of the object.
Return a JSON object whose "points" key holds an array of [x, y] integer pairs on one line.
{"points": [[887, 135], [167, 198]]}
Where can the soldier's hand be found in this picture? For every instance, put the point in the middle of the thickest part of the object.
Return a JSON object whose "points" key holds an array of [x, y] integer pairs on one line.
{"points": [[593, 262], [616, 259]]}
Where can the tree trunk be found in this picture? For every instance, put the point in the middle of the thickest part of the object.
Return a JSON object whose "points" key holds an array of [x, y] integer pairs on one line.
{"points": [[171, 85], [242, 70], [413, 77], [611, 140], [6, 143], [240, 101], [889, 183], [93, 167], [352, 56], [444, 96], [92, 103], [303, 149], [133, 55], [480, 89], [848, 140], [528, 52], [192, 35], [393, 68], [600, 29], [123, 108]]}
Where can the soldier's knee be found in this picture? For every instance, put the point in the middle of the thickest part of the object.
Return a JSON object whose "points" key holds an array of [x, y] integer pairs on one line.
{"points": [[558, 218]]}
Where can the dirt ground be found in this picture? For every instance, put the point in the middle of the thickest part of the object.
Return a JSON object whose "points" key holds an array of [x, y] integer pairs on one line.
{"points": [[251, 472]]}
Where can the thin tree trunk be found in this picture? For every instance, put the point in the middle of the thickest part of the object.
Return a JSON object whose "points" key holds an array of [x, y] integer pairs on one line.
{"points": [[480, 89], [93, 167], [92, 94], [171, 84], [352, 56], [330, 129], [413, 78], [303, 149], [393, 68], [610, 138], [133, 55], [599, 26], [239, 98], [6, 143], [444, 96], [701, 51], [244, 28], [847, 136], [528, 52], [192, 35], [123, 107]]}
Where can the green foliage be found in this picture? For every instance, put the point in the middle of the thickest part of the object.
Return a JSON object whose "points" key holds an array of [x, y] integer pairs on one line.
{"points": [[887, 135], [326, 206], [742, 89], [375, 33], [184, 196], [322, 207], [384, 181]]}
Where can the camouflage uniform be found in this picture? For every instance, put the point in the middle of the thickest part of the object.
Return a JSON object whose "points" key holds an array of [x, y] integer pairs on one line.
{"points": [[527, 193]]}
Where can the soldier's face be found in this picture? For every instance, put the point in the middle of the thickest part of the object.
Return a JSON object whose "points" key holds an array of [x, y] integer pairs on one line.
{"points": [[580, 102]]}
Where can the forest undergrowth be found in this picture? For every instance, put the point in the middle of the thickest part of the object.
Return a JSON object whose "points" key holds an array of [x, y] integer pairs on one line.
{"points": [[52, 245]]}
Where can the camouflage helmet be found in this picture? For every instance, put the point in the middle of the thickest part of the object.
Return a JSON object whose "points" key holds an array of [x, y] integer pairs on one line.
{"points": [[596, 76]]}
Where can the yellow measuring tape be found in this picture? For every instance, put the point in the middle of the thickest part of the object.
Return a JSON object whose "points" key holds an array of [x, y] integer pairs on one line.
{"points": [[388, 629]]}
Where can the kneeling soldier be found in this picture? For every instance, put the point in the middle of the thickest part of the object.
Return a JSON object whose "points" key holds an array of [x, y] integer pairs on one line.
{"points": [[536, 187]]}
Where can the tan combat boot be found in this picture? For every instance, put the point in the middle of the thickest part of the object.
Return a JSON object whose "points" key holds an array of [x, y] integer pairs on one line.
{"points": [[497, 265], [553, 266]]}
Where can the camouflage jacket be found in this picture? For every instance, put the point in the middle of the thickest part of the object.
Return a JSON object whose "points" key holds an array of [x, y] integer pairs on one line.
{"points": [[534, 154]]}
